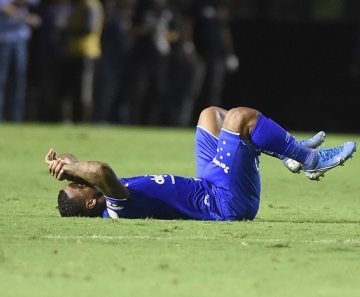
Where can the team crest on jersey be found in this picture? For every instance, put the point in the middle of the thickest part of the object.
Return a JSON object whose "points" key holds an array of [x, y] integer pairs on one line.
{"points": [[206, 200]]}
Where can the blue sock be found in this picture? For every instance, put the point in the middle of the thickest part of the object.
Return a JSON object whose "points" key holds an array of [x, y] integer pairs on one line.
{"points": [[268, 135]]}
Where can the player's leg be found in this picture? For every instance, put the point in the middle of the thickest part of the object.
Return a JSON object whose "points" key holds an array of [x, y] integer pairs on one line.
{"points": [[206, 137], [209, 125], [267, 135], [212, 119], [312, 142], [233, 172]]}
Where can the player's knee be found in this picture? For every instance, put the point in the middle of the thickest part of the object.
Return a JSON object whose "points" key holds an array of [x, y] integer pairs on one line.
{"points": [[241, 120], [211, 111], [212, 119], [207, 111]]}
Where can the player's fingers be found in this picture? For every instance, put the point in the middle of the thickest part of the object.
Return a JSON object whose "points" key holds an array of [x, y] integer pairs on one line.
{"points": [[58, 168], [52, 167], [48, 157], [53, 155], [61, 175]]}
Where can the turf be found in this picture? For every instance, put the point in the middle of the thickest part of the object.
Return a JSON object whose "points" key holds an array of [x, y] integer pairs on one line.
{"points": [[304, 242]]}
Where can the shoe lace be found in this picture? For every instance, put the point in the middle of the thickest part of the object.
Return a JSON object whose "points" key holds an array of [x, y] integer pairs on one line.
{"points": [[329, 153]]}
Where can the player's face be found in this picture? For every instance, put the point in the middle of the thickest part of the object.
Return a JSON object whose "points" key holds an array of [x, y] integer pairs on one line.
{"points": [[89, 198], [82, 192]]}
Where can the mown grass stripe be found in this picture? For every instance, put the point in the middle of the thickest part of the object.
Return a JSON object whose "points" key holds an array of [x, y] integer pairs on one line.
{"points": [[197, 237]]}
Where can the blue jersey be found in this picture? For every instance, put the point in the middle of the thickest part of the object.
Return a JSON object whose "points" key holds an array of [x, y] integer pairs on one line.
{"points": [[227, 186], [164, 197]]}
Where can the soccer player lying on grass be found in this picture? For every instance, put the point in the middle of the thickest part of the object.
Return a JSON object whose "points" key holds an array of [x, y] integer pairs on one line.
{"points": [[227, 186]]}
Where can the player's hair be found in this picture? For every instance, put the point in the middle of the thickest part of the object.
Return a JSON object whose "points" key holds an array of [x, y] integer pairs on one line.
{"points": [[68, 207]]}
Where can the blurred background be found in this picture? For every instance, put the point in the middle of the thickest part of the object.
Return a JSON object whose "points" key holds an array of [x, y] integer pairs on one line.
{"points": [[159, 62]]}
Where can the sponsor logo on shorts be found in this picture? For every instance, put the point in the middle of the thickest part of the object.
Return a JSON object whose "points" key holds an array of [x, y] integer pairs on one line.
{"points": [[222, 165]]}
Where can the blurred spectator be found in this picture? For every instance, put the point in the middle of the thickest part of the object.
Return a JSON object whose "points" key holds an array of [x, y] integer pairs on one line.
{"points": [[15, 23], [117, 41], [155, 30], [82, 48], [178, 69], [209, 47], [55, 17]]}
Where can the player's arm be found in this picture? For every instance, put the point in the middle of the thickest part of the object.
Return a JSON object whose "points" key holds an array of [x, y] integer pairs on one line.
{"points": [[66, 157], [99, 174], [66, 166]]}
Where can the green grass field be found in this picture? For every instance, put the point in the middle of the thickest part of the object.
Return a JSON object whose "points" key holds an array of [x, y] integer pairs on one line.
{"points": [[304, 242]]}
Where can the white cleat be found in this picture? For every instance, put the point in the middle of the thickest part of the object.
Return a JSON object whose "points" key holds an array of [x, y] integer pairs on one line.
{"points": [[292, 165], [313, 142]]}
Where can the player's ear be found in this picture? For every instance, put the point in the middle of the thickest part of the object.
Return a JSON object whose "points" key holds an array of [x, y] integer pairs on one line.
{"points": [[90, 203]]}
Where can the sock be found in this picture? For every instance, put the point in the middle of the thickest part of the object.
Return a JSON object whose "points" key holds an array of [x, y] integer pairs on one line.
{"points": [[269, 136], [272, 154]]}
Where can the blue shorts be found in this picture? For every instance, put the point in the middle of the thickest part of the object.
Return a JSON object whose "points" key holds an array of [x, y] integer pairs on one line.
{"points": [[231, 166]]}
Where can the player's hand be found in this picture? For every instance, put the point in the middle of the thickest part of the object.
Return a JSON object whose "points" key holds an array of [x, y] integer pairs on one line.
{"points": [[50, 157], [56, 169], [66, 160]]}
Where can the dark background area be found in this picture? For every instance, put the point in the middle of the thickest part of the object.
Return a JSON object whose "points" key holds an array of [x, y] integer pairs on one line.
{"points": [[298, 63], [300, 74]]}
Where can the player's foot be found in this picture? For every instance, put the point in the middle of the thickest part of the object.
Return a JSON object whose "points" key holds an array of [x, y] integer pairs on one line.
{"points": [[313, 142], [330, 158]]}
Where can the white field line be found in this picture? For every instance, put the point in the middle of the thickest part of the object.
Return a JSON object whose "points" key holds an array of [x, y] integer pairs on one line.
{"points": [[194, 237]]}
